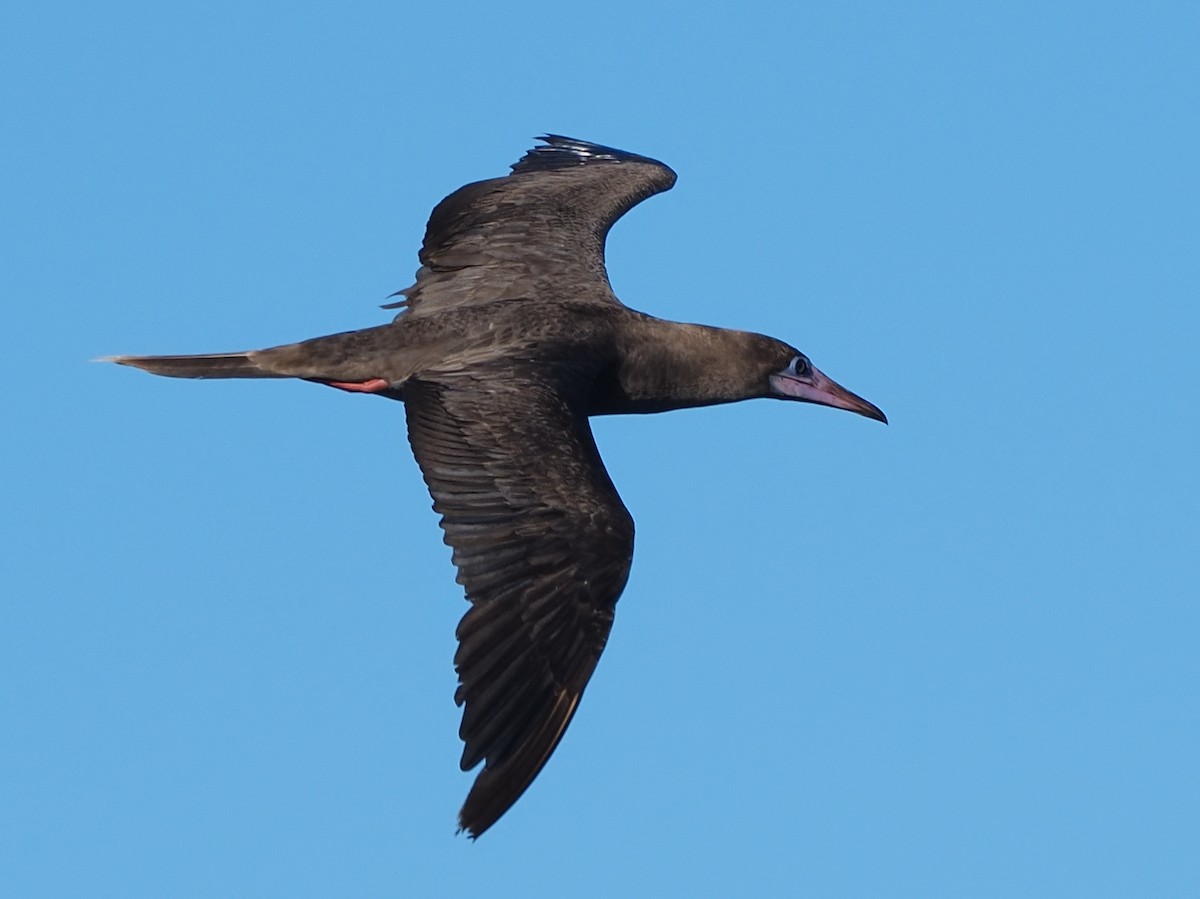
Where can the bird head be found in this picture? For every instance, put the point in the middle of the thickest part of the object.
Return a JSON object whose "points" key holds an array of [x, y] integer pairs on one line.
{"points": [[801, 380]]}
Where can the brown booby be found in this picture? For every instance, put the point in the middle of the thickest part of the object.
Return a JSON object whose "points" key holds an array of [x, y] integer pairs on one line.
{"points": [[509, 340]]}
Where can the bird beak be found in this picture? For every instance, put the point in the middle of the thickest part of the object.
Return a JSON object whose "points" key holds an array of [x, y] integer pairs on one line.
{"points": [[816, 387]]}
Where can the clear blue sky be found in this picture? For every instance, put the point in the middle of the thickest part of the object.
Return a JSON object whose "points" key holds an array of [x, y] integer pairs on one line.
{"points": [[957, 656]]}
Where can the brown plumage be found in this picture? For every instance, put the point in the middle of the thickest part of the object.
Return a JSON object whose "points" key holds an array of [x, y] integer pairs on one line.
{"points": [[508, 341]]}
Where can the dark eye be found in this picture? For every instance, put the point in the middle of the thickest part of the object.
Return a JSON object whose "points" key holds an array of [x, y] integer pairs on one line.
{"points": [[801, 366]]}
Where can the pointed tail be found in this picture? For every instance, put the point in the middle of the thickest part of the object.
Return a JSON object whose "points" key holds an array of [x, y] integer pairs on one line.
{"points": [[353, 357], [217, 365]]}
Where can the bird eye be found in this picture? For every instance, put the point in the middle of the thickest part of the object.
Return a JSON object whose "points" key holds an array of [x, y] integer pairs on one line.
{"points": [[801, 366]]}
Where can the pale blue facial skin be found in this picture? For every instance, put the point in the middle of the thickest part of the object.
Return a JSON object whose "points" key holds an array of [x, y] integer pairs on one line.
{"points": [[801, 381]]}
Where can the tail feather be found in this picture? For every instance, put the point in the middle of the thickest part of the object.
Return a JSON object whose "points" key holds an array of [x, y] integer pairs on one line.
{"points": [[353, 357], [217, 365]]}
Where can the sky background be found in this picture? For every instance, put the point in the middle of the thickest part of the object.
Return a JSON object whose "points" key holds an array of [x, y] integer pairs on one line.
{"points": [[956, 656]]}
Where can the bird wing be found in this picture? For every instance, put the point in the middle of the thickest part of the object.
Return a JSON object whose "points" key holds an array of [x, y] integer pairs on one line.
{"points": [[543, 545], [536, 233]]}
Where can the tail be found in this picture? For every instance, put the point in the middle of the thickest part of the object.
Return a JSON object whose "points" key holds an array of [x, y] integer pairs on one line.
{"points": [[218, 365], [354, 357]]}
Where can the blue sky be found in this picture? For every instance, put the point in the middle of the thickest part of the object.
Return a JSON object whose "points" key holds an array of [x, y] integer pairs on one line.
{"points": [[954, 656]]}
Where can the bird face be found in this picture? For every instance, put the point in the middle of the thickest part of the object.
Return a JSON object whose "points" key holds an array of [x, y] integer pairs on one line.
{"points": [[801, 381]]}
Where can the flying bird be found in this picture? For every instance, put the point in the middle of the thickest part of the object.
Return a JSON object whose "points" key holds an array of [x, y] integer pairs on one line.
{"points": [[510, 339]]}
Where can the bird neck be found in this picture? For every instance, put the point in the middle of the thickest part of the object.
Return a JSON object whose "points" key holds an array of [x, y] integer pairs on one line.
{"points": [[664, 365]]}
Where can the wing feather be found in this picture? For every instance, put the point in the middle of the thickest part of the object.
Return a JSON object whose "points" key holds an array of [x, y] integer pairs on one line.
{"points": [[543, 545], [537, 233]]}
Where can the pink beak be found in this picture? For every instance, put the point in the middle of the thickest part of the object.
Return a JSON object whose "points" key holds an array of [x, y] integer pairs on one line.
{"points": [[816, 387]]}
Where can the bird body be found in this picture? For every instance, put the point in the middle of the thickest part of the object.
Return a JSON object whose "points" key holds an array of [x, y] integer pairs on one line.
{"points": [[509, 340]]}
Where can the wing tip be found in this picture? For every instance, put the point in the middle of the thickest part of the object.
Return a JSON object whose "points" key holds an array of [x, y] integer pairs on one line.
{"points": [[497, 789], [560, 152]]}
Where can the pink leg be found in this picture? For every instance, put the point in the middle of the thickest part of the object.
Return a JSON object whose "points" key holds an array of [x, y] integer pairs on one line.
{"points": [[375, 385]]}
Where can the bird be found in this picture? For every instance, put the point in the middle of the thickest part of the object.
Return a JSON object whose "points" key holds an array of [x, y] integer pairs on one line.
{"points": [[508, 342]]}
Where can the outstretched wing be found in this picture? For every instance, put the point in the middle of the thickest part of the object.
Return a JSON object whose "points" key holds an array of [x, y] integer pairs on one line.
{"points": [[537, 233], [543, 546]]}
